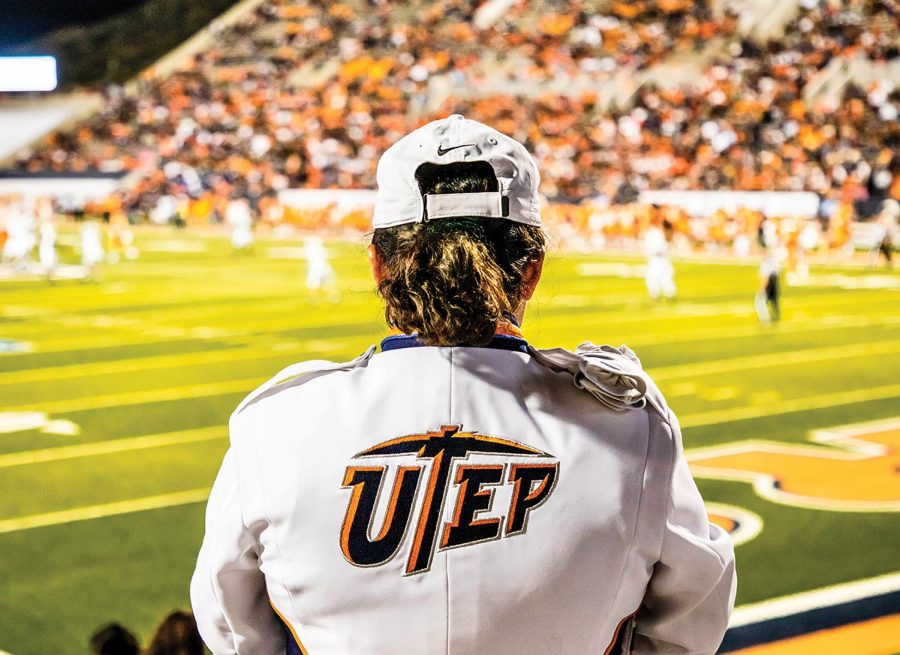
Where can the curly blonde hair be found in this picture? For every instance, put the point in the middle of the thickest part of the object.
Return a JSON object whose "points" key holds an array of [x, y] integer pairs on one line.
{"points": [[451, 281]]}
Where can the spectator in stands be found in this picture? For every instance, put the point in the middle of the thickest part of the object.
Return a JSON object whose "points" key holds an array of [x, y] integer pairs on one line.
{"points": [[114, 639], [176, 635], [304, 95]]}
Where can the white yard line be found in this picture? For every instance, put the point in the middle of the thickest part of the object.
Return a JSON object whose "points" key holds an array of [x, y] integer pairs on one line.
{"points": [[151, 333], [111, 446], [195, 435], [806, 403], [815, 599], [186, 392], [68, 371], [140, 331], [247, 384], [822, 324], [234, 354], [42, 373], [765, 360], [103, 510]]}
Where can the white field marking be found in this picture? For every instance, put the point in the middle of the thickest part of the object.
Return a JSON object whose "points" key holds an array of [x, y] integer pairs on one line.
{"points": [[816, 325], [716, 394], [743, 615], [61, 427], [89, 512], [692, 309], [67, 371], [786, 358], [845, 447], [67, 324], [841, 281], [699, 308], [551, 300], [21, 421], [273, 303], [173, 245], [32, 420], [286, 252], [765, 397], [164, 333], [280, 346], [15, 346], [25, 311], [191, 391], [326, 345], [749, 524], [211, 389], [159, 333], [815, 599], [210, 307], [248, 384], [277, 305], [787, 406], [573, 300], [111, 446], [681, 389], [116, 288], [611, 269], [285, 314], [110, 320], [35, 272]]}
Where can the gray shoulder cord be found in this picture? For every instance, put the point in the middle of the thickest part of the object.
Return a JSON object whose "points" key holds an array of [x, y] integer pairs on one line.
{"points": [[611, 375]]}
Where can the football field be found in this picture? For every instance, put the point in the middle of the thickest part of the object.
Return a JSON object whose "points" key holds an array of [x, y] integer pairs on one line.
{"points": [[115, 395]]}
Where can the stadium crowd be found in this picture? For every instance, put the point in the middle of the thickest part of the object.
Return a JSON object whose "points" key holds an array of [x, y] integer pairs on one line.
{"points": [[743, 125], [176, 634], [308, 94]]}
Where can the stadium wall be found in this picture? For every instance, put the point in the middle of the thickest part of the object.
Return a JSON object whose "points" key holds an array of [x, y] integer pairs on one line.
{"points": [[704, 203], [65, 188], [24, 120]]}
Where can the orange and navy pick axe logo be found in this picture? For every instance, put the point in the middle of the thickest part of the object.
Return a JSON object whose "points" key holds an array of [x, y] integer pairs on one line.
{"points": [[447, 448], [850, 468]]}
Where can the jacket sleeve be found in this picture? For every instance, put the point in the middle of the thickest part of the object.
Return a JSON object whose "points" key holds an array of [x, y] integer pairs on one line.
{"points": [[691, 592], [228, 591]]}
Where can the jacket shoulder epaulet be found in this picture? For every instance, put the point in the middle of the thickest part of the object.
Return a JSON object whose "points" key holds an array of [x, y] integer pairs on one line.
{"points": [[300, 373], [613, 376]]}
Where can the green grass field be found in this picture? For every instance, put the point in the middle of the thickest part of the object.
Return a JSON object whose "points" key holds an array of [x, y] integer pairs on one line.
{"points": [[122, 399]]}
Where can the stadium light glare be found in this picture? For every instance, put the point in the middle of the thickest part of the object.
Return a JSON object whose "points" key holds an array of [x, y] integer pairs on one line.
{"points": [[33, 73]]}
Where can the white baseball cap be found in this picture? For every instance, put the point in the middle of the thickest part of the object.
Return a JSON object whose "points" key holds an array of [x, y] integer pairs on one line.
{"points": [[451, 140]]}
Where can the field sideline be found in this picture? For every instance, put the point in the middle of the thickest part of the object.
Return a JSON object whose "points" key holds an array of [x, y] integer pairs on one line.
{"points": [[114, 398]]}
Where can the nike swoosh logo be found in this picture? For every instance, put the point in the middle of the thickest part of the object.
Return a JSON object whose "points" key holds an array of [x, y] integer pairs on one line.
{"points": [[444, 151]]}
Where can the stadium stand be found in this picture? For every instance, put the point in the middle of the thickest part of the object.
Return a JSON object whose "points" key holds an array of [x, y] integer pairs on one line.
{"points": [[308, 93], [24, 120]]}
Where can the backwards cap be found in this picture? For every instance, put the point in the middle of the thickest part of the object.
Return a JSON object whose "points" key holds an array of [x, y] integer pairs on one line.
{"points": [[452, 140]]}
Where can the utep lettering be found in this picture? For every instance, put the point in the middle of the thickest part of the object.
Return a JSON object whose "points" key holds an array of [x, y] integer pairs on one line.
{"points": [[532, 483]]}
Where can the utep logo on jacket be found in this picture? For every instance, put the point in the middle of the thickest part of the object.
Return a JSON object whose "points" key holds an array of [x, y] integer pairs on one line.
{"points": [[448, 448]]}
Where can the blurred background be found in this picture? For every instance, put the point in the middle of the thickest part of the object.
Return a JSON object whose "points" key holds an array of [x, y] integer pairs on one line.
{"points": [[185, 195]]}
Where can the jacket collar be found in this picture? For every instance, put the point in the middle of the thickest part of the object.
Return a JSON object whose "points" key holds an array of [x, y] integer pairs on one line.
{"points": [[507, 337]]}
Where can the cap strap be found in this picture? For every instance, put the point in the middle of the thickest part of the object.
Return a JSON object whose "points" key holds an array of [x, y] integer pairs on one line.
{"points": [[491, 204]]}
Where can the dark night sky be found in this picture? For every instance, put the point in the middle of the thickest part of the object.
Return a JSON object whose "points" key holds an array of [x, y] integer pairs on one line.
{"points": [[23, 20]]}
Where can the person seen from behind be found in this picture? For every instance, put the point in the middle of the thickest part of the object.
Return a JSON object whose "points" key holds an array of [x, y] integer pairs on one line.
{"points": [[114, 639], [176, 635], [461, 490]]}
